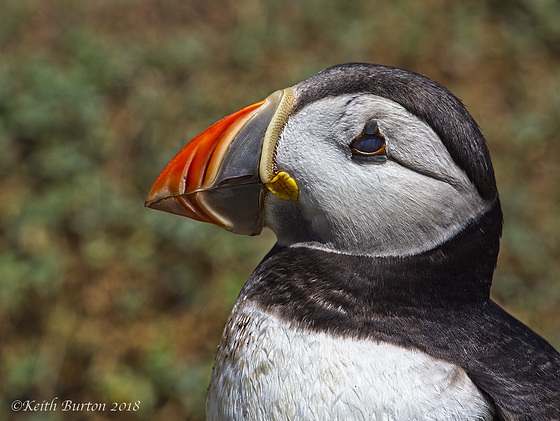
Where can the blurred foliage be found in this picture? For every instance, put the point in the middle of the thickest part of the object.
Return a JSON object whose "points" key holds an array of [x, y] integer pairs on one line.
{"points": [[102, 300]]}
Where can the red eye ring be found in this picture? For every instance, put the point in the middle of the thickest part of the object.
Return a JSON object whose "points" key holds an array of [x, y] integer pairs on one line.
{"points": [[370, 144]]}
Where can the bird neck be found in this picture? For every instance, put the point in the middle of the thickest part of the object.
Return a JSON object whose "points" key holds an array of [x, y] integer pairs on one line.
{"points": [[311, 285]]}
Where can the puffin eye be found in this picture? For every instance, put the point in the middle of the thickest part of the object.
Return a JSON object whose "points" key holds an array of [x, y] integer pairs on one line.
{"points": [[369, 145]]}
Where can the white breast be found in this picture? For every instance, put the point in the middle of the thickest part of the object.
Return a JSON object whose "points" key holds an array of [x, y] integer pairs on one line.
{"points": [[268, 370]]}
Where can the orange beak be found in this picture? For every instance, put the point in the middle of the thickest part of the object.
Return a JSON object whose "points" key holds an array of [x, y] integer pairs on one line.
{"points": [[215, 177]]}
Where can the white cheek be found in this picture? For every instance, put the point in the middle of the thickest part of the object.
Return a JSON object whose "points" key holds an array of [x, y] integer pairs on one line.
{"points": [[415, 201]]}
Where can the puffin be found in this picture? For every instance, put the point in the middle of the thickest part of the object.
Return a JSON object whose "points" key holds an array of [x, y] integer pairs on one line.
{"points": [[374, 303]]}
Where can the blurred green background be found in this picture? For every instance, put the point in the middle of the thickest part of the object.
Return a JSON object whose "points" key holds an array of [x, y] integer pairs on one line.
{"points": [[102, 300]]}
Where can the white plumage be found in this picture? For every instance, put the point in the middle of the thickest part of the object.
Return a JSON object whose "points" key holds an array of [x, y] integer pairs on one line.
{"points": [[375, 302], [415, 201], [267, 369]]}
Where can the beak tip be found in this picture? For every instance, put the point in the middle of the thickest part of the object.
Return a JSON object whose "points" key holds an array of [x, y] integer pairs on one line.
{"points": [[165, 204], [214, 180], [153, 197]]}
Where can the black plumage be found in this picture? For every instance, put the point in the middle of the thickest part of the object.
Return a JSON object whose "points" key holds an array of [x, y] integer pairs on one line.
{"points": [[433, 297], [437, 302], [421, 96]]}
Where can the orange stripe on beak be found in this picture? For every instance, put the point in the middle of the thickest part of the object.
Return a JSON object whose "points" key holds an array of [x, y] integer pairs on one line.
{"points": [[195, 168]]}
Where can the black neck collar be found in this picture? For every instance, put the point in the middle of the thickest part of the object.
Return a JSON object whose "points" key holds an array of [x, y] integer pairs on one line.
{"points": [[315, 286]]}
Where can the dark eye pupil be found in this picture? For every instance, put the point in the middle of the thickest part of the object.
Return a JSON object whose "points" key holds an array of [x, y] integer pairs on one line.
{"points": [[368, 144]]}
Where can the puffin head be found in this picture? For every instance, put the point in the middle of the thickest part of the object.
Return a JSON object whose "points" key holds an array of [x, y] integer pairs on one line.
{"points": [[359, 159]]}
